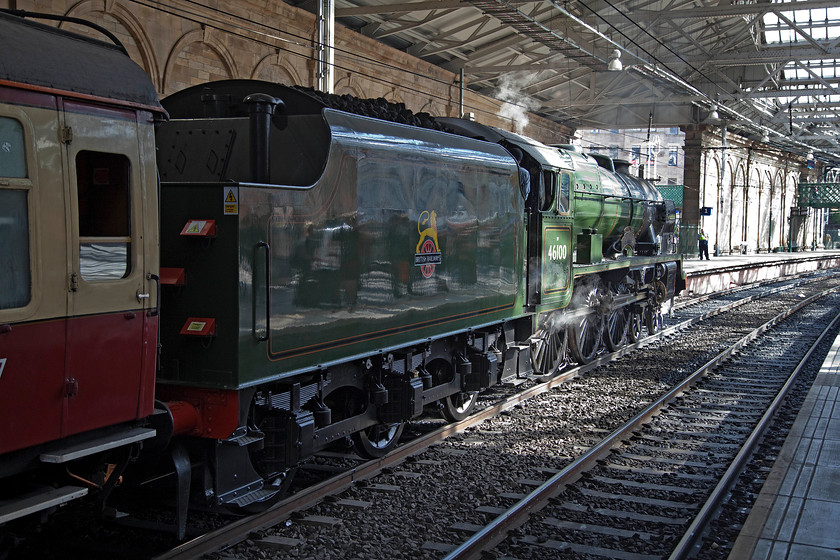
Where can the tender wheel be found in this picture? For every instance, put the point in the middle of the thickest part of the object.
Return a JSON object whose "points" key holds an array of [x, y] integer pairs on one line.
{"points": [[548, 351], [277, 477], [634, 327], [458, 406], [378, 440]]}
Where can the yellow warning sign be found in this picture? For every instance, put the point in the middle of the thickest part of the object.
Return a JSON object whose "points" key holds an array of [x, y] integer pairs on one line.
{"points": [[196, 326], [231, 201], [195, 227]]}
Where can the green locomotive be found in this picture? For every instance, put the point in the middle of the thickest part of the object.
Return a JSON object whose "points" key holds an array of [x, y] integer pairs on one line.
{"points": [[326, 276]]}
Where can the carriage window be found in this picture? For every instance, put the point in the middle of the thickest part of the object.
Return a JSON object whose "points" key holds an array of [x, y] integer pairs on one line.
{"points": [[563, 194], [104, 219], [16, 280], [12, 154]]}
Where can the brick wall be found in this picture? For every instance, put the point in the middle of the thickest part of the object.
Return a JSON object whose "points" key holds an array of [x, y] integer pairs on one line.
{"points": [[181, 44]]}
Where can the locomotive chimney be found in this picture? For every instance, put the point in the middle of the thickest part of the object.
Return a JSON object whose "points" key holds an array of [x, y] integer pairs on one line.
{"points": [[260, 108]]}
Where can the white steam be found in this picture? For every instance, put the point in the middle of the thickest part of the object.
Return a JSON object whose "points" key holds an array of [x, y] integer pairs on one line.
{"points": [[516, 103]]}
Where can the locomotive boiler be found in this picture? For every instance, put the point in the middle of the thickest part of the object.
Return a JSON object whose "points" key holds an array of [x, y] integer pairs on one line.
{"points": [[306, 275]]}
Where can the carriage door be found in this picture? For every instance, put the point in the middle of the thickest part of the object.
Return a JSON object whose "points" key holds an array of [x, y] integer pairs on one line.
{"points": [[107, 289]]}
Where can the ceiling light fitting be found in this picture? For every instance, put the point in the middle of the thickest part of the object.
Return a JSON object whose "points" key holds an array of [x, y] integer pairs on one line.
{"points": [[615, 62], [713, 115]]}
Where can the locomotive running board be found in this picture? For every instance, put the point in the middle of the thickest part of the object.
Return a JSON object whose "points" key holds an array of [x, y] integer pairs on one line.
{"points": [[38, 501], [97, 445]]}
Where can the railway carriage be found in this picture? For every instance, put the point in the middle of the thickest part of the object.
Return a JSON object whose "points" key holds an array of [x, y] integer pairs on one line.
{"points": [[78, 223], [303, 276]]}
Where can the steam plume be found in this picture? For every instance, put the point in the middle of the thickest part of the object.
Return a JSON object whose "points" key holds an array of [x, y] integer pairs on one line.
{"points": [[516, 103]]}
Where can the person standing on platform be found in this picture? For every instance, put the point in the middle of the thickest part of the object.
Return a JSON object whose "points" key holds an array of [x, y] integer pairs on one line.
{"points": [[703, 242]]}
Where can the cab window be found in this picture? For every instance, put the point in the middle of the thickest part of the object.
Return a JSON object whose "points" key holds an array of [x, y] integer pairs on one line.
{"points": [[16, 278], [563, 193], [547, 190], [104, 216]]}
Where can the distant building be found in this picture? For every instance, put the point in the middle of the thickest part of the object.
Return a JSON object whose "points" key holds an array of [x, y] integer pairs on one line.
{"points": [[662, 156]]}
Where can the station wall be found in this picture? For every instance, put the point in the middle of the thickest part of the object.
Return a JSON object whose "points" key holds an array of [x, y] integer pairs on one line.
{"points": [[751, 189], [181, 44]]}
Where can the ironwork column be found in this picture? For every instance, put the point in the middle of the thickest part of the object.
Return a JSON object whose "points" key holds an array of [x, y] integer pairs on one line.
{"points": [[326, 43]]}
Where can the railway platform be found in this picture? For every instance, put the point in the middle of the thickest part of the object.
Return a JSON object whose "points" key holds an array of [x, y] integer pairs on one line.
{"points": [[797, 511], [722, 272]]}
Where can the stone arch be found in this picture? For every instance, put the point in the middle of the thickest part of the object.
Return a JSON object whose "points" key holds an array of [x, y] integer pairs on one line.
{"points": [[752, 210], [188, 66], [777, 231], [276, 69], [736, 219], [433, 108], [712, 197], [347, 86], [726, 206], [394, 96], [765, 210], [125, 26], [789, 194]]}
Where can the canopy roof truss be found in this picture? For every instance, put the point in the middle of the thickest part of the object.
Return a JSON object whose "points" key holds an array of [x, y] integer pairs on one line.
{"points": [[770, 69]]}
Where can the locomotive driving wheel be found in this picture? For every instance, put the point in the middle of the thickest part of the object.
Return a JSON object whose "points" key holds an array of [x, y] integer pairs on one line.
{"points": [[618, 323], [548, 350], [636, 321], [586, 332], [458, 406], [653, 312], [653, 319]]}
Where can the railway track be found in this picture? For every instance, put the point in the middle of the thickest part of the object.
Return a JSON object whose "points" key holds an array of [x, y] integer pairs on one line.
{"points": [[463, 473], [345, 500], [643, 493]]}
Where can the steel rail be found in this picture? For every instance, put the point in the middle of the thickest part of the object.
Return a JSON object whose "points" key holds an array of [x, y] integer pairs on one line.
{"points": [[684, 548], [496, 531], [803, 278], [238, 531]]}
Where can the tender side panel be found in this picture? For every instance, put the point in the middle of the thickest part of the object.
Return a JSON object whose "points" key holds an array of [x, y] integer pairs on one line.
{"points": [[408, 234], [420, 239]]}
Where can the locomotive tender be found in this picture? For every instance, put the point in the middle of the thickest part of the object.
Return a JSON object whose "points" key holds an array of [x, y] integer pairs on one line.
{"points": [[302, 277]]}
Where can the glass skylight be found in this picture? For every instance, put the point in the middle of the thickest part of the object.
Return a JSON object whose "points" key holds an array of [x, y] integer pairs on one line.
{"points": [[820, 24]]}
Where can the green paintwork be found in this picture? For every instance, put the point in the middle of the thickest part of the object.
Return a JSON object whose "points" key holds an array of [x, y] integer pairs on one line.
{"points": [[344, 256]]}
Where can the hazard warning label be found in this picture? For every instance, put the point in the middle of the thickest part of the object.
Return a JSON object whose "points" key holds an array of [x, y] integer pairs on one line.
{"points": [[195, 226], [231, 201]]}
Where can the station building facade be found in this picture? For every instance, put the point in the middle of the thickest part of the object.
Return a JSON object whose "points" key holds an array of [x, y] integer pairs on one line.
{"points": [[181, 44], [749, 188]]}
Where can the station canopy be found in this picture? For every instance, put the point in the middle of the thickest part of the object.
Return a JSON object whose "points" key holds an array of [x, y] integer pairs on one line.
{"points": [[768, 70]]}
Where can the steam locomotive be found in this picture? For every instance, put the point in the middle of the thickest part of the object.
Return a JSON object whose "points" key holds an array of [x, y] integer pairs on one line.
{"points": [[302, 276]]}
